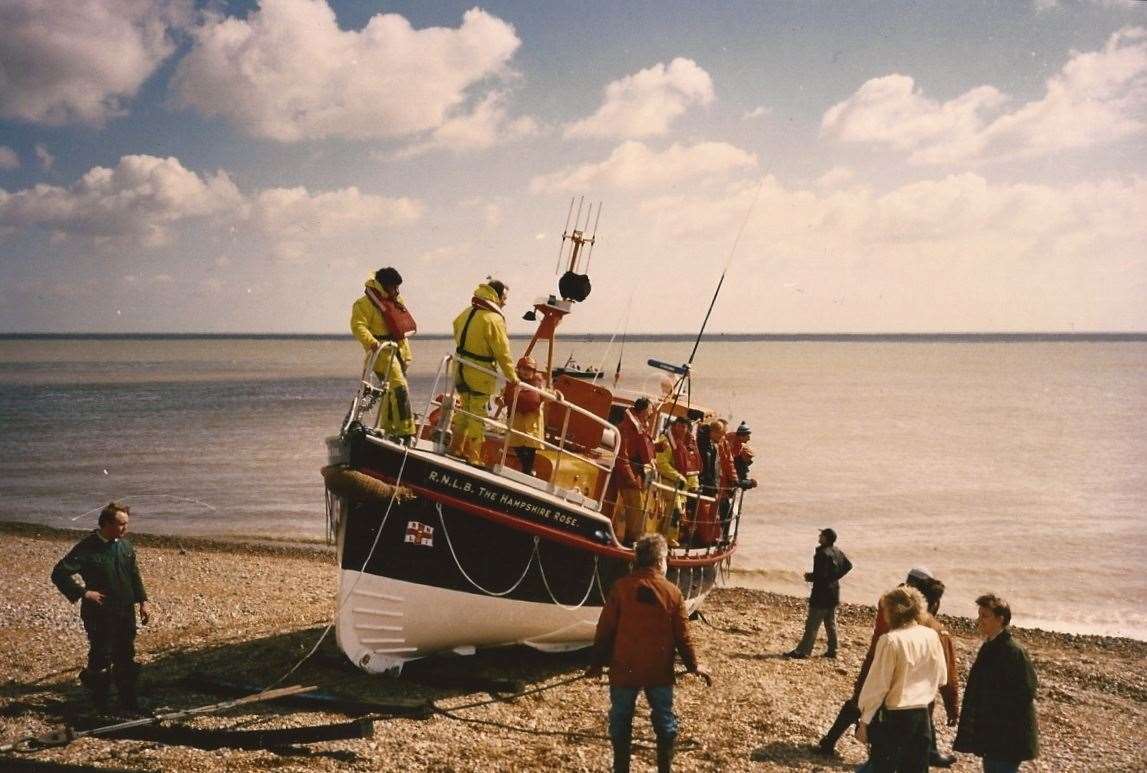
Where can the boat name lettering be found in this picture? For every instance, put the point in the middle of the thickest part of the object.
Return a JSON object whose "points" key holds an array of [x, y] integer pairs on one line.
{"points": [[451, 481], [501, 498]]}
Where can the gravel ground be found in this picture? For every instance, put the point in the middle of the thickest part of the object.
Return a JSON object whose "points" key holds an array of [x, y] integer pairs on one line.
{"points": [[247, 612]]}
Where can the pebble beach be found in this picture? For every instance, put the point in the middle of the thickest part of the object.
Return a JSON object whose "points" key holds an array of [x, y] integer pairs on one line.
{"points": [[247, 611]]}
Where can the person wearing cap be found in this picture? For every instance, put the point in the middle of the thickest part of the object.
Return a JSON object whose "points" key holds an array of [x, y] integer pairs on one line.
{"points": [[480, 338], [998, 721], [730, 478], [526, 417], [112, 587], [742, 451], [907, 669], [380, 315], [829, 564], [932, 589]]}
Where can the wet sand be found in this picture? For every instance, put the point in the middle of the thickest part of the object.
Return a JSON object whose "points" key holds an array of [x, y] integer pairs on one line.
{"points": [[248, 611]]}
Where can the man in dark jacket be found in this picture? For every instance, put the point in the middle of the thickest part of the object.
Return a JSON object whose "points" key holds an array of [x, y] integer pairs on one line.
{"points": [[829, 564], [998, 720], [112, 587], [641, 628]]}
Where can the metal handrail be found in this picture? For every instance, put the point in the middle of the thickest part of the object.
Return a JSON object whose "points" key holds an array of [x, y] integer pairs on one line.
{"points": [[367, 388], [505, 428]]}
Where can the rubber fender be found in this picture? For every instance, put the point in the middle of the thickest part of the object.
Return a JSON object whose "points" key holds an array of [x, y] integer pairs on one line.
{"points": [[353, 484]]}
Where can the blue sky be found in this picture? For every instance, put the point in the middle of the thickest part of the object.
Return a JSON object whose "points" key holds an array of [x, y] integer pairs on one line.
{"points": [[168, 165]]}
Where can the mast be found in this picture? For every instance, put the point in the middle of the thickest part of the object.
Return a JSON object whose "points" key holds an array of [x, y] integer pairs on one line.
{"points": [[573, 286]]}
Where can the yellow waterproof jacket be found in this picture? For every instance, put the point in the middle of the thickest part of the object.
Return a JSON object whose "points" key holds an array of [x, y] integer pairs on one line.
{"points": [[486, 343], [669, 474], [368, 327]]}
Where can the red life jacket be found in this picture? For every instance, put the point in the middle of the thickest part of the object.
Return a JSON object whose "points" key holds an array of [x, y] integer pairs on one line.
{"points": [[638, 444], [686, 457], [399, 322]]}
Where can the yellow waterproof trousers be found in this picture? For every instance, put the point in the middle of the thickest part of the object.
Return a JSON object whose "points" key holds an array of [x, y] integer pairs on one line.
{"points": [[394, 415], [469, 431]]}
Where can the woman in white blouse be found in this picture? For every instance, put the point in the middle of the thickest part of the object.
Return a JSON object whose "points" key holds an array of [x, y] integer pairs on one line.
{"points": [[907, 670]]}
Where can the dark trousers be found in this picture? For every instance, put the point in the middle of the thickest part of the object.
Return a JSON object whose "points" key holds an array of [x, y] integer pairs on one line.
{"points": [[848, 716], [901, 741], [526, 456], [111, 648], [816, 616]]}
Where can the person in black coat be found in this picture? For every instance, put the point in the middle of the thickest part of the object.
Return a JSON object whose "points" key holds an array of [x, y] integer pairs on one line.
{"points": [[829, 564], [998, 719], [108, 597]]}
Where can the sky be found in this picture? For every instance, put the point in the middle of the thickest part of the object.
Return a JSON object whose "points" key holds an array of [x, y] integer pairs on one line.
{"points": [[229, 167]]}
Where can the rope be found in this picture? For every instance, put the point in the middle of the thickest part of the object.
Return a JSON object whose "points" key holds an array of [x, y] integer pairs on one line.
{"points": [[553, 598], [448, 712], [450, 544], [358, 576]]}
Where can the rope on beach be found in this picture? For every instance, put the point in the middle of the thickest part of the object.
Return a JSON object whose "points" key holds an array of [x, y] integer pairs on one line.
{"points": [[639, 743], [448, 712], [395, 496], [449, 544]]}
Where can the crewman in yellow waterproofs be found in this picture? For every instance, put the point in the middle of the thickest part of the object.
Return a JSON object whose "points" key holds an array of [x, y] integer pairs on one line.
{"points": [[679, 465], [479, 337], [380, 315]]}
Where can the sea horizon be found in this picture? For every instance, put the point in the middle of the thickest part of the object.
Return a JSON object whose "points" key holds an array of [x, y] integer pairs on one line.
{"points": [[927, 337]]}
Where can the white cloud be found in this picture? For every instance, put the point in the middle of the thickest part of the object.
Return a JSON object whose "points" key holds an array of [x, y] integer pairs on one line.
{"points": [[293, 219], [137, 200], [835, 177], [9, 159], [953, 253], [80, 61], [143, 197], [1047, 5], [635, 165], [757, 112], [44, 156], [488, 124], [287, 72], [645, 103], [1097, 97]]}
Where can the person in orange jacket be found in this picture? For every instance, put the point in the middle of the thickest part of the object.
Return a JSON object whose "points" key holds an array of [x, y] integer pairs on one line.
{"points": [[642, 629], [627, 484], [527, 420]]}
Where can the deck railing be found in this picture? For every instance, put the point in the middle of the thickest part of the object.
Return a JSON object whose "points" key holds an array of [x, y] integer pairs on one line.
{"points": [[600, 458]]}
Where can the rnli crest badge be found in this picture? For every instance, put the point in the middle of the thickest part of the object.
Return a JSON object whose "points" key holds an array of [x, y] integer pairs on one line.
{"points": [[419, 534]]}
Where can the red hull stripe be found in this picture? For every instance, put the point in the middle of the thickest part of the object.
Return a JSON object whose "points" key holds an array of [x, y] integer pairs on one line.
{"points": [[545, 531]]}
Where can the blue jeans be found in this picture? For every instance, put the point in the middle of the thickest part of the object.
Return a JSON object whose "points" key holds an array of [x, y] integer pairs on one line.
{"points": [[623, 702], [1000, 766]]}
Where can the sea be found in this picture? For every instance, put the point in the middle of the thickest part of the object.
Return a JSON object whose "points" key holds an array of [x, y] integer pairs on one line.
{"points": [[1010, 464]]}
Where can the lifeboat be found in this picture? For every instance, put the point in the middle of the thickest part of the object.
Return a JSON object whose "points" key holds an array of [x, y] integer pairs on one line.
{"points": [[437, 554]]}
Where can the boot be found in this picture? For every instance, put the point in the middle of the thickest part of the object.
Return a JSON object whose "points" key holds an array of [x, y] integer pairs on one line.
{"points": [[846, 718], [98, 684], [622, 747], [126, 677], [665, 755]]}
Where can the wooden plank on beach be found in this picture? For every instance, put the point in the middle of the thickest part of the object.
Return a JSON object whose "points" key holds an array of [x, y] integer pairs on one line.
{"points": [[412, 708], [210, 739]]}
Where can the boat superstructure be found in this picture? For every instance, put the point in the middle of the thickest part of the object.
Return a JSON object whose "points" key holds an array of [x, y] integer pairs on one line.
{"points": [[440, 555]]}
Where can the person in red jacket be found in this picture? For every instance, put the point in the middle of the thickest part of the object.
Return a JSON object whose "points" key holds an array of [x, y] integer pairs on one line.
{"points": [[641, 630], [933, 590], [628, 480], [527, 421]]}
